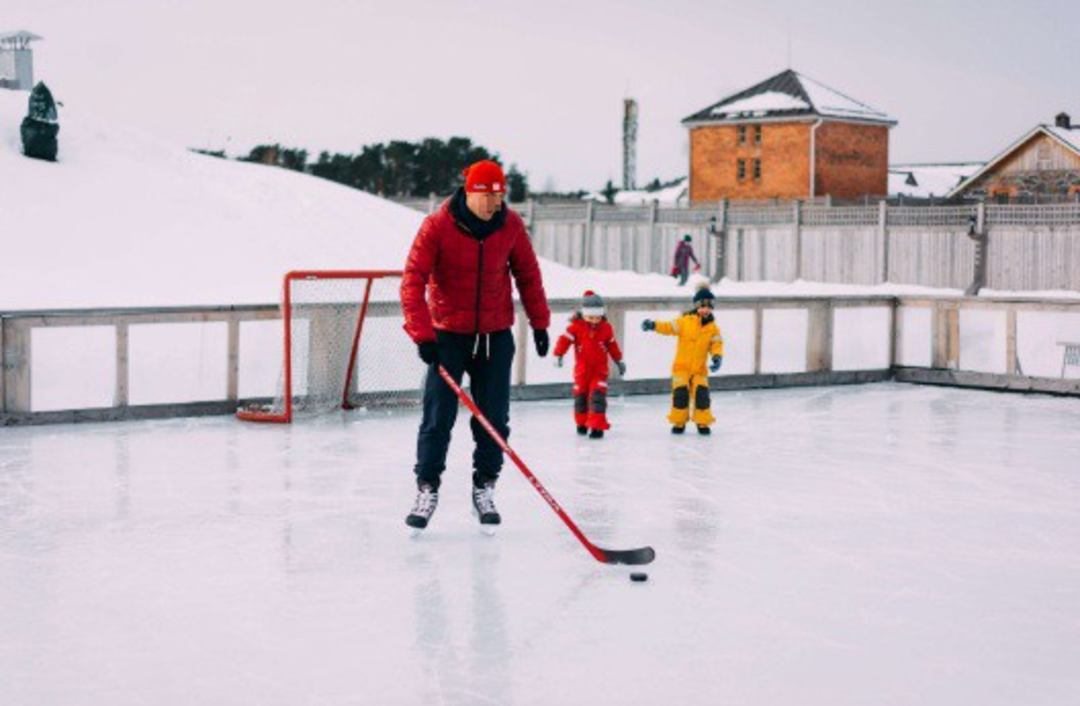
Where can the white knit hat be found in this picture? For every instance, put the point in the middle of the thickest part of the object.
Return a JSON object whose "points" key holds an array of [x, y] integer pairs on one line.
{"points": [[592, 304]]}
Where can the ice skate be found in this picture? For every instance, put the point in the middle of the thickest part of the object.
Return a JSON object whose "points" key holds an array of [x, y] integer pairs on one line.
{"points": [[427, 499], [483, 498]]}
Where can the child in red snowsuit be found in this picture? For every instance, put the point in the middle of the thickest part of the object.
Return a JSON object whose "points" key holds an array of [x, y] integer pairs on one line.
{"points": [[593, 339]]}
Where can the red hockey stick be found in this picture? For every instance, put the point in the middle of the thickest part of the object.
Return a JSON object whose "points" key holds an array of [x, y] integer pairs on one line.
{"points": [[644, 555]]}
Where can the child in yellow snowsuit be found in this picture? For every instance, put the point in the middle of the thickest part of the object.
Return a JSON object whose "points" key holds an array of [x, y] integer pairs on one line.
{"points": [[699, 340]]}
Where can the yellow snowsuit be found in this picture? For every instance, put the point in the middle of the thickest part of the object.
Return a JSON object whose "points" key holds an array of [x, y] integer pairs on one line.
{"points": [[698, 342]]}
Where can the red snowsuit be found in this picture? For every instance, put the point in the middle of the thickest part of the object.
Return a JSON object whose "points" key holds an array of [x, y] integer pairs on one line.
{"points": [[593, 343]]}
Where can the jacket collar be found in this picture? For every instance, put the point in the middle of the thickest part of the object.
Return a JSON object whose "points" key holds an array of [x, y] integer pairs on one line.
{"points": [[467, 221]]}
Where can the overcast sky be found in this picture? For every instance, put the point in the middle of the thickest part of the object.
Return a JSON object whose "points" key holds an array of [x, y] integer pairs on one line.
{"points": [[542, 83]]}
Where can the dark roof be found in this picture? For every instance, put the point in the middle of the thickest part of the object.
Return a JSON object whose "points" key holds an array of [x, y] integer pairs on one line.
{"points": [[788, 94]]}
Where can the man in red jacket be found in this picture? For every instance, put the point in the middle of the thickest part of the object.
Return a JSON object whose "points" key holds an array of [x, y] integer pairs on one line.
{"points": [[462, 258]]}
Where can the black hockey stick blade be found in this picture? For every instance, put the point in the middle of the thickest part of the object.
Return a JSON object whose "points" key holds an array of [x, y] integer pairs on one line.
{"points": [[632, 557]]}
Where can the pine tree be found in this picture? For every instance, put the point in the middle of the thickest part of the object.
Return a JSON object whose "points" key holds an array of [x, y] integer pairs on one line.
{"points": [[609, 192], [517, 185]]}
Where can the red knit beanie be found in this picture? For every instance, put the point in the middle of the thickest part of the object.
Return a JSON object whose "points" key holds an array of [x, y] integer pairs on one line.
{"points": [[484, 177]]}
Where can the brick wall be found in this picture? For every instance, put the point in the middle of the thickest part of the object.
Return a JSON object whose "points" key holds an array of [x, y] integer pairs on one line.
{"points": [[852, 160], [784, 153]]}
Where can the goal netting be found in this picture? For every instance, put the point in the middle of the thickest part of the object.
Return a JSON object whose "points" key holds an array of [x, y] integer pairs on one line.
{"points": [[343, 346]]}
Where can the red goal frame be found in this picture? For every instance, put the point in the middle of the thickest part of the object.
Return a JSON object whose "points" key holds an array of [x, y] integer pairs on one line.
{"points": [[285, 416]]}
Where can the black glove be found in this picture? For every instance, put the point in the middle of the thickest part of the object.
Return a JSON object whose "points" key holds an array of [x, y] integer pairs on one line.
{"points": [[621, 366], [540, 338], [717, 361], [429, 352], [648, 325]]}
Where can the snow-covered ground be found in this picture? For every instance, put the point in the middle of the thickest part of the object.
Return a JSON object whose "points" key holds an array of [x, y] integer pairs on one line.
{"points": [[879, 544], [124, 219]]}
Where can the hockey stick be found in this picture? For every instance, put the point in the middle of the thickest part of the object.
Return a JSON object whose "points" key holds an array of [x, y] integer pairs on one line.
{"points": [[643, 555]]}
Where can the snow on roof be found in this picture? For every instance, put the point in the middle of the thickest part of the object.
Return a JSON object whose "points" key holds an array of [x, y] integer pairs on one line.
{"points": [[763, 103], [789, 94], [926, 180], [827, 101], [17, 36], [1069, 137], [669, 195]]}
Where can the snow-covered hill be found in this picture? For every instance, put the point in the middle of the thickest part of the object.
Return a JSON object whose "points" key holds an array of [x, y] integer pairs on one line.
{"points": [[125, 219]]}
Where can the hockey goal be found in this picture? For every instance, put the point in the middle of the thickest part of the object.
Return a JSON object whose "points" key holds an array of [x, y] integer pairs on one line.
{"points": [[344, 346]]}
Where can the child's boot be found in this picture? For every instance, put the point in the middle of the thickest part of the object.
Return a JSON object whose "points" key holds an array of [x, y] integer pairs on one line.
{"points": [[596, 434]]}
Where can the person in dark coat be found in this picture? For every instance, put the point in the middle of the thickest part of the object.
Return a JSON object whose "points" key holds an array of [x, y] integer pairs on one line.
{"points": [[457, 298], [684, 253]]}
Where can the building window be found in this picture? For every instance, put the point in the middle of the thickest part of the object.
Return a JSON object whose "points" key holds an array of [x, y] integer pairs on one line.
{"points": [[741, 134], [740, 169], [757, 134], [757, 169]]}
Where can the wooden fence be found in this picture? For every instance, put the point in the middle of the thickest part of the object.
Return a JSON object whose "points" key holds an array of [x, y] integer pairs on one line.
{"points": [[966, 247], [48, 358]]}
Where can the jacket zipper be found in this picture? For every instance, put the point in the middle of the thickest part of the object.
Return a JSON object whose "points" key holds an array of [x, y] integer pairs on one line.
{"points": [[479, 275]]}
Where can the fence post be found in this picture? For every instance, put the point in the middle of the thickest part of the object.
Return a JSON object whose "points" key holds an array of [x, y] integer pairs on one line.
{"points": [[232, 376], [617, 316], [431, 203], [819, 337], [758, 326], [530, 213], [796, 215], [1012, 361], [523, 342], [977, 232], [945, 336], [721, 240], [653, 217], [586, 240], [883, 233], [16, 370], [123, 367]]}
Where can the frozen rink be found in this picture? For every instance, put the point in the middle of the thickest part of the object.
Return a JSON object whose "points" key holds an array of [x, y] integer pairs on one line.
{"points": [[878, 544]]}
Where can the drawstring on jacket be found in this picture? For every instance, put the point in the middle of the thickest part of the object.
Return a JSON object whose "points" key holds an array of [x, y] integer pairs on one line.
{"points": [[487, 345]]}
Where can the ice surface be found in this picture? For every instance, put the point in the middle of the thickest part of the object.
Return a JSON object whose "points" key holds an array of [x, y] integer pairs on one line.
{"points": [[880, 544]]}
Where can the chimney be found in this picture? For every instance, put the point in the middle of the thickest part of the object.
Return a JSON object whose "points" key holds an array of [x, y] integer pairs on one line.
{"points": [[17, 60], [1062, 120]]}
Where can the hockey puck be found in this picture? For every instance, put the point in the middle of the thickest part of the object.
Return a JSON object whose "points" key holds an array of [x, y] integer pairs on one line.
{"points": [[639, 576]]}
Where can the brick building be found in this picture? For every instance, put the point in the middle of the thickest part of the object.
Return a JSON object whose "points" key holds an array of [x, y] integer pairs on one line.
{"points": [[1042, 166], [788, 137]]}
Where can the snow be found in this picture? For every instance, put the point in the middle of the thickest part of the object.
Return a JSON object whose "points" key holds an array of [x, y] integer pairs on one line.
{"points": [[930, 179], [125, 219], [1070, 137], [869, 544], [762, 103], [673, 195], [827, 101], [826, 546]]}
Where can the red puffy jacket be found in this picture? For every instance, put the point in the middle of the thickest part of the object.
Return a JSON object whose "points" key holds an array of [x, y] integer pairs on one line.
{"points": [[467, 279], [592, 343]]}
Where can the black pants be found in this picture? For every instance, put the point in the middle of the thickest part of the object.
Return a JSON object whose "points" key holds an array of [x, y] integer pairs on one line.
{"points": [[487, 359]]}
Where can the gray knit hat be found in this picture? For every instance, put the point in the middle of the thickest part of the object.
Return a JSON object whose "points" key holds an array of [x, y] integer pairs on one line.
{"points": [[592, 304]]}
